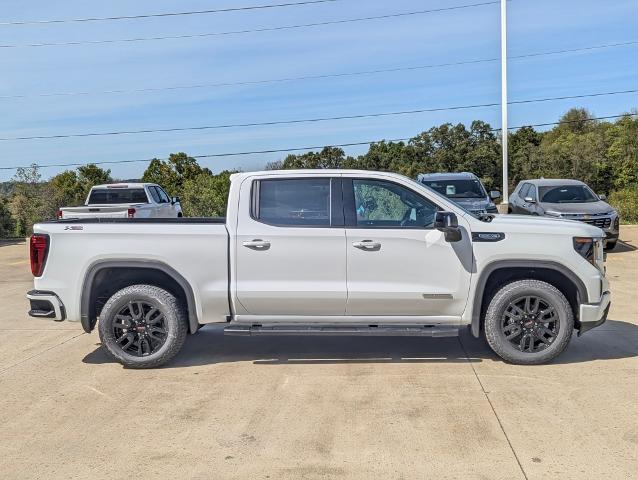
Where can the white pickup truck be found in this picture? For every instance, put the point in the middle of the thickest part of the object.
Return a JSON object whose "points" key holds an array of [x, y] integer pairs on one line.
{"points": [[125, 200], [329, 252]]}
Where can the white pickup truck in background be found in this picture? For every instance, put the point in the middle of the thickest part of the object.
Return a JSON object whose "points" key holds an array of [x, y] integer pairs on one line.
{"points": [[327, 252], [125, 200]]}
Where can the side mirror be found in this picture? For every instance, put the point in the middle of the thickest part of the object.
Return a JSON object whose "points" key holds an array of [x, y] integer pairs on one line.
{"points": [[494, 194], [603, 197], [447, 223], [174, 200], [529, 200]]}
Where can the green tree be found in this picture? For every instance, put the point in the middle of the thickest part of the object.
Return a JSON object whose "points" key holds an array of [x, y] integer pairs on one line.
{"points": [[6, 220], [174, 172], [32, 200], [622, 152], [329, 157], [90, 175], [524, 155], [206, 195]]}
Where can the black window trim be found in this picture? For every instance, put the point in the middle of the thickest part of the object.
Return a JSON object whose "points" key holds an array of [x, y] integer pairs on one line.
{"points": [[336, 202], [350, 210]]}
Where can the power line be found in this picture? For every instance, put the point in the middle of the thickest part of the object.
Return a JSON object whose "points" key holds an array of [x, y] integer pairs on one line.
{"points": [[315, 147], [256, 30], [321, 76], [314, 120], [167, 14]]}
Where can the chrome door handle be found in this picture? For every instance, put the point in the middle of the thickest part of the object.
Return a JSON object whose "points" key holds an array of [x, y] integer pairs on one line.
{"points": [[257, 244], [367, 245]]}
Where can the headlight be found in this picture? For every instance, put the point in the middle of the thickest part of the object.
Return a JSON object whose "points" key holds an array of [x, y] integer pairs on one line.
{"points": [[553, 214], [591, 249]]}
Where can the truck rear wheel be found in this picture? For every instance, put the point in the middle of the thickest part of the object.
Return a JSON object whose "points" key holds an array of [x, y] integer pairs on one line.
{"points": [[142, 326], [528, 322]]}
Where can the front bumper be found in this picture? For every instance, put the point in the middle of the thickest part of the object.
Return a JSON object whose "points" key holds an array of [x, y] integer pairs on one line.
{"points": [[593, 315], [45, 304]]}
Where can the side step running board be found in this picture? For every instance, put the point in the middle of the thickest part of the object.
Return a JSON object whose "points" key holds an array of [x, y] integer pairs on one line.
{"points": [[372, 330]]}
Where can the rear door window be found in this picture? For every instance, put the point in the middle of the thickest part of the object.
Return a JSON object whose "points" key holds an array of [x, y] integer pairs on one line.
{"points": [[299, 202]]}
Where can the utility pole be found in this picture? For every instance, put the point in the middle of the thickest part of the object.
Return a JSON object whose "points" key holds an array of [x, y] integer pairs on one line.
{"points": [[504, 128]]}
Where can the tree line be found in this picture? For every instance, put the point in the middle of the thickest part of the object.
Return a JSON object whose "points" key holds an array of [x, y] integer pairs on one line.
{"points": [[601, 153]]}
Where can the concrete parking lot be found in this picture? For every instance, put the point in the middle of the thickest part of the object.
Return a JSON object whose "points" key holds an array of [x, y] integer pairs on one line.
{"points": [[317, 408]]}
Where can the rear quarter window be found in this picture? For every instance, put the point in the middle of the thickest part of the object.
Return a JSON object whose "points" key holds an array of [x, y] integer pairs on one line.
{"points": [[302, 202]]}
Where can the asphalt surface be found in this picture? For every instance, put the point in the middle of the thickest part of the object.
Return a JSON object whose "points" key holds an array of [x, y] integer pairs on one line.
{"points": [[317, 408]]}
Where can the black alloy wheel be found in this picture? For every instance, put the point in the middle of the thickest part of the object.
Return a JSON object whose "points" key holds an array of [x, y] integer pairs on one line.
{"points": [[530, 323], [139, 328]]}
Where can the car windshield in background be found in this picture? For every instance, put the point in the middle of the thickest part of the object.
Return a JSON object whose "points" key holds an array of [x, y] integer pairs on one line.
{"points": [[457, 188], [567, 194], [112, 196]]}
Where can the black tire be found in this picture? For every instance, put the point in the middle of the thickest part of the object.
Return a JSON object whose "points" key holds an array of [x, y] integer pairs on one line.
{"points": [[142, 326], [534, 338], [611, 245]]}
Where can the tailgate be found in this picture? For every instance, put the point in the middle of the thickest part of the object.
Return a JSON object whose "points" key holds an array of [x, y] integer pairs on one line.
{"points": [[105, 211]]}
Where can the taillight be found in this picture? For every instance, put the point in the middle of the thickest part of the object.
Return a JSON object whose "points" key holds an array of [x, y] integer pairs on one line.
{"points": [[39, 250], [59, 214], [131, 213]]}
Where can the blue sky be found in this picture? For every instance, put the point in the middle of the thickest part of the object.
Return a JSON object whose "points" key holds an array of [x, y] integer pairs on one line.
{"points": [[452, 36]]}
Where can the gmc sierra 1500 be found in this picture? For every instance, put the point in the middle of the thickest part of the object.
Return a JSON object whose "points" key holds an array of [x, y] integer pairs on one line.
{"points": [[329, 252]]}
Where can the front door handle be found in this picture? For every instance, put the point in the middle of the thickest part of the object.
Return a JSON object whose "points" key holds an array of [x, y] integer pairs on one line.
{"points": [[367, 245], [257, 244]]}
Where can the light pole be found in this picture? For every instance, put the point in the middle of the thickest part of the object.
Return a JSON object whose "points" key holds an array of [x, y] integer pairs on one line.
{"points": [[504, 128]]}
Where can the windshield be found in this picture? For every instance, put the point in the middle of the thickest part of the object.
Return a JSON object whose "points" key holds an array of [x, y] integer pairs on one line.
{"points": [[457, 188], [457, 205], [567, 194], [112, 196]]}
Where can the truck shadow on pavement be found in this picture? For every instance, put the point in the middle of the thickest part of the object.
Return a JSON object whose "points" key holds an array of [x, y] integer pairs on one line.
{"points": [[621, 247], [614, 340]]}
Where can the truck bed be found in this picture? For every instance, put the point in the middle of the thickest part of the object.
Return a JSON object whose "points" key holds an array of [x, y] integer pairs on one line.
{"points": [[195, 249]]}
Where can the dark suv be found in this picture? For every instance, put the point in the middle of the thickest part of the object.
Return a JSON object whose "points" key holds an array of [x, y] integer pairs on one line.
{"points": [[566, 199], [464, 189]]}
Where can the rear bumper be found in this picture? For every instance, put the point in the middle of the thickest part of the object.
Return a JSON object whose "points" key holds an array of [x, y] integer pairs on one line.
{"points": [[593, 315], [45, 304]]}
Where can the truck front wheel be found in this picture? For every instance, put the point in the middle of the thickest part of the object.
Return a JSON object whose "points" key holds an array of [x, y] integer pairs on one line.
{"points": [[528, 322], [142, 326]]}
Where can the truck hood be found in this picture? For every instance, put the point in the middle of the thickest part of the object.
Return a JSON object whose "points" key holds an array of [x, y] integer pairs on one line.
{"points": [[534, 224]]}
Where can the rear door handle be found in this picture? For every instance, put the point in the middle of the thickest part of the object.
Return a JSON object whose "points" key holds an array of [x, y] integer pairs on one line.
{"points": [[367, 245], [257, 244]]}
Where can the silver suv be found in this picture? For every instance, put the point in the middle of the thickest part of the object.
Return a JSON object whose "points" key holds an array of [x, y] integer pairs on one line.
{"points": [[464, 189], [567, 199]]}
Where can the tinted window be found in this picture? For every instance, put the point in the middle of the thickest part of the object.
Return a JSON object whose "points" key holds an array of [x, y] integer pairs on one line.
{"points": [[457, 188], [386, 204], [163, 196], [567, 194], [109, 196], [523, 191], [154, 194], [295, 202]]}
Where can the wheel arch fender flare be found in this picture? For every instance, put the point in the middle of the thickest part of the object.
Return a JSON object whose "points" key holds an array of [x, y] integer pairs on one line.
{"points": [[492, 267], [89, 279]]}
